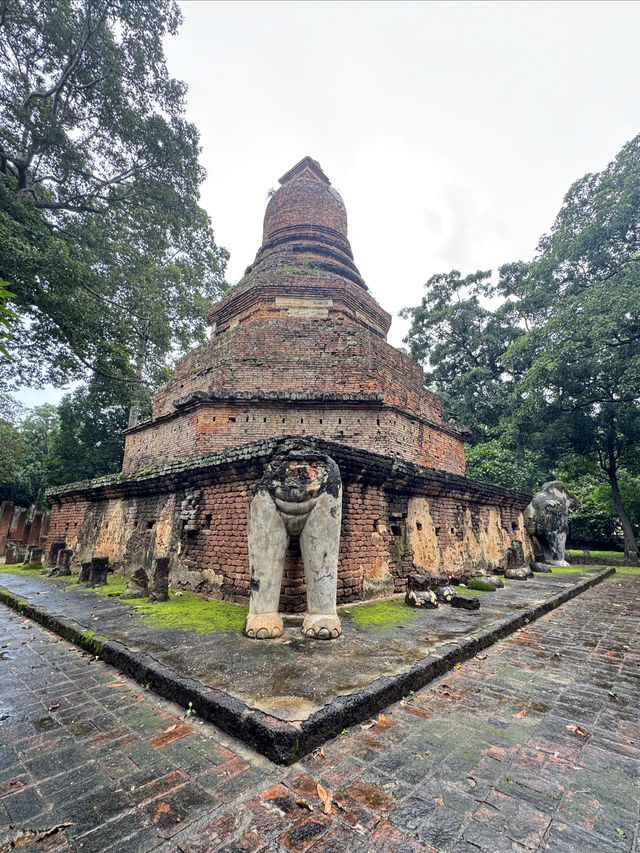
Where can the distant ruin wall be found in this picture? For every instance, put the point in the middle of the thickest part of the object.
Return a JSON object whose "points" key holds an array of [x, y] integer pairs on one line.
{"points": [[397, 518], [22, 525]]}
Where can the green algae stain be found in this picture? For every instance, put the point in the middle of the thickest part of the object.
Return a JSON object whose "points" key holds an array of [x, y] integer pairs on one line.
{"points": [[383, 614], [28, 570], [191, 612], [184, 610], [91, 642]]}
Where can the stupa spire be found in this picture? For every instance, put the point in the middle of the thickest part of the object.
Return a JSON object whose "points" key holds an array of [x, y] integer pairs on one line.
{"points": [[306, 219]]}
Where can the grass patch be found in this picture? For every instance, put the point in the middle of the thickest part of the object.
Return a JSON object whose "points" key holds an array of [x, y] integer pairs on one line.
{"points": [[21, 568], [624, 570], [191, 612], [563, 570], [616, 555], [116, 585], [382, 614], [464, 590]]}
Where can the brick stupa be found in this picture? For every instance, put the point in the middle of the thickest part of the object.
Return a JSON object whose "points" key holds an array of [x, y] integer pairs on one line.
{"points": [[298, 350]]}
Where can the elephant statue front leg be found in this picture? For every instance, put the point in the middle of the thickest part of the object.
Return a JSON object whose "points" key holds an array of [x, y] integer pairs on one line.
{"points": [[268, 540], [319, 544]]}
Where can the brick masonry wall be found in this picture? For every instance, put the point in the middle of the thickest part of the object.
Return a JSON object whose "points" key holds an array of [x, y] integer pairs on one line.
{"points": [[215, 427], [392, 524], [65, 520]]}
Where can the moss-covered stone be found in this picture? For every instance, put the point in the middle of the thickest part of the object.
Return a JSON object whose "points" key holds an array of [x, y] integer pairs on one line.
{"points": [[480, 585]]}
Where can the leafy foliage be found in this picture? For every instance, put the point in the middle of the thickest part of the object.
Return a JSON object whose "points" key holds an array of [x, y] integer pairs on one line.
{"points": [[465, 343], [101, 238], [89, 442], [497, 462]]}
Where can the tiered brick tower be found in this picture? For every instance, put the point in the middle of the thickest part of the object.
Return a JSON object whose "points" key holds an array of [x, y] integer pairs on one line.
{"points": [[298, 349]]}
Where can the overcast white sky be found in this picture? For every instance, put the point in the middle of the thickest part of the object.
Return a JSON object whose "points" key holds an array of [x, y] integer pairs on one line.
{"points": [[452, 130]]}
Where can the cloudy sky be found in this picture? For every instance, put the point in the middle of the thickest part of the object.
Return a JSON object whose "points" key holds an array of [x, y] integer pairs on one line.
{"points": [[452, 130]]}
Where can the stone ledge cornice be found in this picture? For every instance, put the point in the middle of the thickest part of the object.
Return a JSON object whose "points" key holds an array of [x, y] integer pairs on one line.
{"points": [[198, 399], [391, 473]]}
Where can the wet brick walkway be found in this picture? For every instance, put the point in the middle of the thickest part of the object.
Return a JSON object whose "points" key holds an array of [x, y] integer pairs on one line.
{"points": [[532, 745]]}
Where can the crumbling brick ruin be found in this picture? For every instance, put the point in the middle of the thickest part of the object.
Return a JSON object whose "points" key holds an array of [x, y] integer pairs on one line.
{"points": [[298, 352], [21, 527]]}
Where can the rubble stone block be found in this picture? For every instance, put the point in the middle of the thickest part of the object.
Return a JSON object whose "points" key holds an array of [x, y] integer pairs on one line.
{"points": [[425, 598], [138, 585]]}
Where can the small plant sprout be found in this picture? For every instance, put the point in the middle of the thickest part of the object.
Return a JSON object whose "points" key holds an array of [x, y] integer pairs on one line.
{"points": [[191, 711]]}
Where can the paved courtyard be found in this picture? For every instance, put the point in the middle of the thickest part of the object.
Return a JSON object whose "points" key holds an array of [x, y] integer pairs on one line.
{"points": [[532, 745]]}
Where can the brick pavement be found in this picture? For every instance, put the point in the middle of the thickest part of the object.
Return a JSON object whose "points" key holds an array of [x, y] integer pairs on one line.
{"points": [[532, 745]]}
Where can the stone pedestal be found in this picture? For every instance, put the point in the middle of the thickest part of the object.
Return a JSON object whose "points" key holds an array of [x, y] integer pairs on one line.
{"points": [[62, 567], [85, 572], [35, 555], [54, 550], [13, 553], [159, 579], [98, 570]]}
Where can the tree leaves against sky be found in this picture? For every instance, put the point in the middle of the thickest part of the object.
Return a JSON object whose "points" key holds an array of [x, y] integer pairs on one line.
{"points": [[101, 238]]}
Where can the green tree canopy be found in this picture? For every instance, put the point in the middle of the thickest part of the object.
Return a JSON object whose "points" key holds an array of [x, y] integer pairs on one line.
{"points": [[101, 237], [571, 359], [462, 344]]}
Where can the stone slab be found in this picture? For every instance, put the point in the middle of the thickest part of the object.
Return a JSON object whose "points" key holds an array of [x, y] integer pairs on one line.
{"points": [[286, 697]]}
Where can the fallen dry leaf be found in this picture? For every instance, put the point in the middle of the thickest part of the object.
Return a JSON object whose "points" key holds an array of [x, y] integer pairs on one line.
{"points": [[117, 684], [578, 730], [304, 804], [26, 836], [326, 797], [520, 714]]}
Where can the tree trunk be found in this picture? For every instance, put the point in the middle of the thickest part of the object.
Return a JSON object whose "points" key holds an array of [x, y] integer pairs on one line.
{"points": [[517, 440], [611, 470], [134, 408], [630, 545]]}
